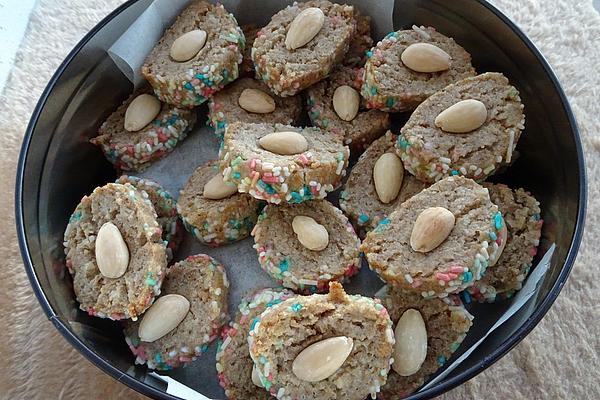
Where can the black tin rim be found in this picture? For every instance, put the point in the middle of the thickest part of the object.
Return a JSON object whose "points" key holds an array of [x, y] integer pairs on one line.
{"points": [[148, 390]]}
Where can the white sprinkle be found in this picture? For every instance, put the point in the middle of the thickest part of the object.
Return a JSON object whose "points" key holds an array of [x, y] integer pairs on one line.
{"points": [[509, 149], [408, 278], [445, 160]]}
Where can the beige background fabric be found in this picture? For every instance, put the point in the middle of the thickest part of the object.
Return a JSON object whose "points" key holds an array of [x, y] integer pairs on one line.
{"points": [[558, 360]]}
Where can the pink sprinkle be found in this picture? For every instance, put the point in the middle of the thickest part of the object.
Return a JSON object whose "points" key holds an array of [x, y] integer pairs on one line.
{"points": [[443, 277], [416, 283], [452, 276], [314, 190], [253, 164], [303, 159], [533, 251], [269, 178], [456, 269]]}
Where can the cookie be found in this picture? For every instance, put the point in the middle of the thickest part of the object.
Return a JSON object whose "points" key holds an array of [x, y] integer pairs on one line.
{"points": [[364, 127], [203, 282], [211, 220], [360, 43], [136, 150], [359, 198], [189, 82], [439, 241], [447, 323], [301, 255], [521, 212], [131, 238], [288, 71], [352, 358], [166, 210], [314, 166], [432, 153], [234, 365], [230, 104], [247, 67], [389, 85]]}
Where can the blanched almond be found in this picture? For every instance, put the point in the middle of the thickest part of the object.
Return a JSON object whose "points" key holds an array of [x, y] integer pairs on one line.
{"points": [[310, 233], [217, 189], [322, 359], [284, 143], [304, 28], [431, 228], [464, 116], [425, 57], [112, 255], [163, 316], [141, 111], [410, 349], [388, 174], [256, 101], [346, 101], [188, 45]]}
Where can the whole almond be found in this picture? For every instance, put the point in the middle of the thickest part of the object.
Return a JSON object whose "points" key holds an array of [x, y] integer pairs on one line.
{"points": [[188, 45], [217, 189], [464, 116], [141, 111], [322, 359], [163, 316], [388, 174], [304, 28], [256, 101], [112, 255], [310, 233], [345, 102], [425, 57], [410, 349], [284, 143], [431, 228], [256, 377]]}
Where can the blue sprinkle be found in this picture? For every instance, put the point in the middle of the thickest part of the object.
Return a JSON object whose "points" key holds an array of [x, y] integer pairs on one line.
{"points": [[389, 102], [384, 221], [188, 86], [498, 220], [493, 236], [454, 172], [254, 322], [284, 265], [204, 347], [296, 307], [369, 54], [373, 90], [363, 218], [441, 360], [467, 276], [236, 175], [466, 296], [403, 143]]}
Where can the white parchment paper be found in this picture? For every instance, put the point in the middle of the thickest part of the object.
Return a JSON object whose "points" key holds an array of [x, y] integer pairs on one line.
{"points": [[240, 259]]}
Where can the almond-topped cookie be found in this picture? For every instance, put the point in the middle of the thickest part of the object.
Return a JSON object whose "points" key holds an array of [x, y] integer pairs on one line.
{"points": [[115, 252], [440, 241], [185, 319], [282, 163], [469, 128], [408, 66], [250, 100], [197, 56], [301, 44], [305, 246], [328, 346], [335, 105]]}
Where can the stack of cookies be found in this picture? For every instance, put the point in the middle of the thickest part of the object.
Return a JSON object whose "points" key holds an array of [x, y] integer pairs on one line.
{"points": [[310, 114]]}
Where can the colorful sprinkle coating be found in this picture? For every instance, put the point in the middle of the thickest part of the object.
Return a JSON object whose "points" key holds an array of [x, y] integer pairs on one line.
{"points": [[235, 335], [156, 357], [281, 268], [291, 179], [269, 376], [165, 207], [200, 81], [135, 151], [152, 281]]}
